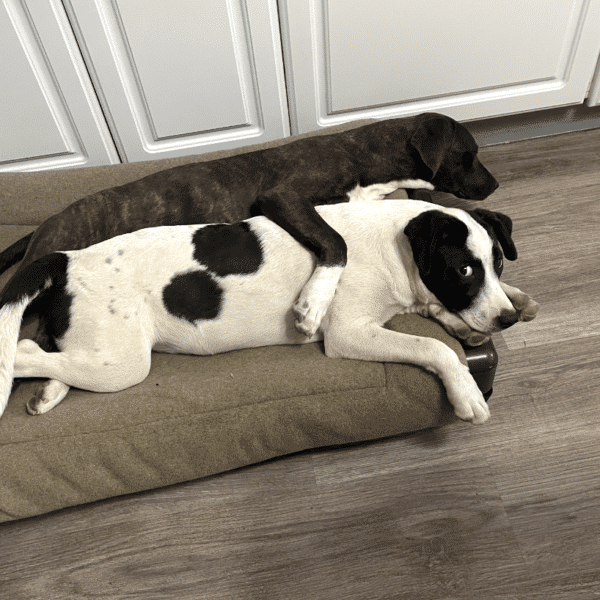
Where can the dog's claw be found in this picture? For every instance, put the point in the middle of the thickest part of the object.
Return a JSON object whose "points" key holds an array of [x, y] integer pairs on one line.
{"points": [[476, 338], [467, 399], [455, 326], [307, 321], [526, 307], [529, 312], [315, 298], [35, 405], [47, 396]]}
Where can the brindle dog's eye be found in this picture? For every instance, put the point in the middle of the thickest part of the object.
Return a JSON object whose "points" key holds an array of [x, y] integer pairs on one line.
{"points": [[468, 158], [466, 270]]}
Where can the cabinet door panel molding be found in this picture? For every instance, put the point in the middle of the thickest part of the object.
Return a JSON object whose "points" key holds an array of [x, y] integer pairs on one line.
{"points": [[55, 120], [175, 77], [350, 59]]}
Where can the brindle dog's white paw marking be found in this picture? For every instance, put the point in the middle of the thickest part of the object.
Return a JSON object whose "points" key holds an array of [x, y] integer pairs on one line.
{"points": [[308, 318], [315, 298]]}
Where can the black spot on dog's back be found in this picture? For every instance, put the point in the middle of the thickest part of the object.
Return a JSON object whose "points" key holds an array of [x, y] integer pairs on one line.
{"points": [[228, 249], [193, 296]]}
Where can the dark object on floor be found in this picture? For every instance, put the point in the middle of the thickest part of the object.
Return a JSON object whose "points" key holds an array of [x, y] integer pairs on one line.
{"points": [[482, 362]]}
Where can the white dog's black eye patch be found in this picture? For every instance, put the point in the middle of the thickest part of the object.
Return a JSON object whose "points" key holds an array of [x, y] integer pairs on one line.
{"points": [[439, 245], [456, 277], [222, 250]]}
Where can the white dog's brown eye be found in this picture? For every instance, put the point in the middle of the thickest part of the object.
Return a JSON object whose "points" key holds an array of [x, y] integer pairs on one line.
{"points": [[466, 270]]}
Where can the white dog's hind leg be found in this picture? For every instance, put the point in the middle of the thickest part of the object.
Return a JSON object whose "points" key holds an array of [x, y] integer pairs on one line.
{"points": [[47, 396], [315, 298], [95, 372]]}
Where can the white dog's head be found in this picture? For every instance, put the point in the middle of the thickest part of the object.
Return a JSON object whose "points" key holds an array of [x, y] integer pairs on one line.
{"points": [[459, 255]]}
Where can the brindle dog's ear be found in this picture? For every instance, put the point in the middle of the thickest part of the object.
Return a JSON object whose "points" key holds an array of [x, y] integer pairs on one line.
{"points": [[432, 139], [428, 231], [500, 226]]}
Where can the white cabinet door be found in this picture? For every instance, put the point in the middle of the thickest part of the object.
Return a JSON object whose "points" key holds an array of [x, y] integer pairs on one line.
{"points": [[184, 76], [49, 115], [349, 59]]}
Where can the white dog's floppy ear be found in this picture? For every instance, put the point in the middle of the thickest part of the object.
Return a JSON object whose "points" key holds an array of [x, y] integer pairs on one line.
{"points": [[429, 230], [500, 226], [432, 139]]}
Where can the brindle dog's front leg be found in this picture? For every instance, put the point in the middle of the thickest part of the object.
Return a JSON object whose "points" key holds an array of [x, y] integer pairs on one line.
{"points": [[298, 217]]}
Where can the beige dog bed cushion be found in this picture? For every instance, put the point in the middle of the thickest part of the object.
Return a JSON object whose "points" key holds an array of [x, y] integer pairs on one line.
{"points": [[193, 416]]}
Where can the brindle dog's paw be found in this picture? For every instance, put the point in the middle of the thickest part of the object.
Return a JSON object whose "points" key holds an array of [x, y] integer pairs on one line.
{"points": [[308, 319], [315, 298]]}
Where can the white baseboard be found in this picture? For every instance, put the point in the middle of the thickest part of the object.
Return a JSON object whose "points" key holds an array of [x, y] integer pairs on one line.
{"points": [[511, 128]]}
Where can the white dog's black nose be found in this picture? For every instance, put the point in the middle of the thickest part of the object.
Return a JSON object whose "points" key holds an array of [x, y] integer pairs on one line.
{"points": [[506, 319]]}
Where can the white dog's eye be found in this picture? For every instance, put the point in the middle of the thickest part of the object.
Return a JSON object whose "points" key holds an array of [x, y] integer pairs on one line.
{"points": [[466, 270]]}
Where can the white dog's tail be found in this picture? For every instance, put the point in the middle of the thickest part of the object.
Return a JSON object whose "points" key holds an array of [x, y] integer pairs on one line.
{"points": [[19, 293]]}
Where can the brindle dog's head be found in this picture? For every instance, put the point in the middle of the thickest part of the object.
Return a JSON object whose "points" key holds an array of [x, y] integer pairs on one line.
{"points": [[449, 152]]}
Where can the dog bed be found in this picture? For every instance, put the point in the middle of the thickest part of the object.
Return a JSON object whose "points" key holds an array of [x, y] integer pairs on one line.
{"points": [[197, 416]]}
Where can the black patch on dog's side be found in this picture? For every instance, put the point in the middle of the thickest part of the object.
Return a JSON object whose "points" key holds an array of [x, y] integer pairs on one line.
{"points": [[35, 276], [57, 316], [193, 296], [53, 303], [228, 249], [438, 242]]}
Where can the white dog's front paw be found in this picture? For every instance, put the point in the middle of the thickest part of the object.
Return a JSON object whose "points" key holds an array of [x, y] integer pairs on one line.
{"points": [[455, 326], [529, 311], [473, 409], [524, 305], [467, 399]]}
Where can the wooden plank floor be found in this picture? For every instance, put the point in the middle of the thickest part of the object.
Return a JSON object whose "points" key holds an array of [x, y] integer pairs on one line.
{"points": [[506, 511]]}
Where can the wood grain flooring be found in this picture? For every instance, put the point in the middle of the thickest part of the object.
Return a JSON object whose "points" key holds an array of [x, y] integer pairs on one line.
{"points": [[506, 511]]}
